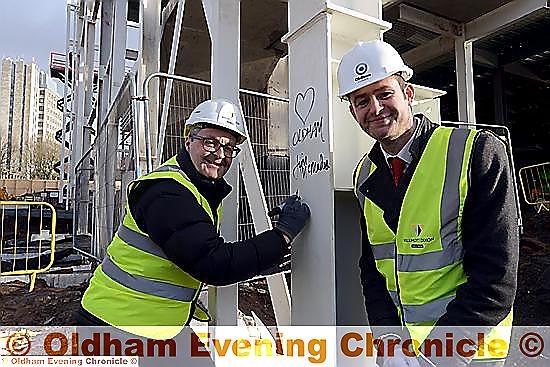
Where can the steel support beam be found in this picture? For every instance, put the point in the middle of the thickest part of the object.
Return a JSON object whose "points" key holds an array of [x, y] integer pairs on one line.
{"points": [[115, 79], [118, 54], [63, 168], [440, 49], [167, 12], [313, 260], [78, 132], [105, 51], [501, 17], [84, 183], [523, 71], [77, 109], [465, 80], [429, 21], [429, 53], [168, 88], [150, 63], [101, 179], [486, 58], [223, 19], [499, 97]]}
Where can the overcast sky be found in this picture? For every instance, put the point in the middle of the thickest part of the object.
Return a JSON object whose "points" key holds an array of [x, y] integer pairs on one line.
{"points": [[32, 29]]}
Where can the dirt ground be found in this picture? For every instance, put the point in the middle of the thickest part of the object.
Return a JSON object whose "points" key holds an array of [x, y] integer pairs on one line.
{"points": [[53, 306], [532, 306]]}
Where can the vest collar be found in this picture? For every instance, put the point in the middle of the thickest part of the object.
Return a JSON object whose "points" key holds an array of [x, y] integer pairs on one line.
{"points": [[379, 187]]}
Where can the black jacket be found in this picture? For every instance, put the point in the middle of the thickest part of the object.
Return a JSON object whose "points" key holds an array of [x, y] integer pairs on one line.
{"points": [[175, 221], [489, 228]]}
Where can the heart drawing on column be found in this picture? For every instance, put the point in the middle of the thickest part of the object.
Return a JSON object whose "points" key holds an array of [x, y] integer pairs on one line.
{"points": [[303, 104]]}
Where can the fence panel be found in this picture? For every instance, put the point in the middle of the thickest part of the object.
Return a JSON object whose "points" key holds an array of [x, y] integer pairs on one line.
{"points": [[113, 155], [535, 185], [262, 114], [27, 238]]}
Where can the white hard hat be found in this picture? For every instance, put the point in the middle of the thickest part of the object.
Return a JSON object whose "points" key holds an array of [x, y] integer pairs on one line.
{"points": [[367, 63], [218, 112]]}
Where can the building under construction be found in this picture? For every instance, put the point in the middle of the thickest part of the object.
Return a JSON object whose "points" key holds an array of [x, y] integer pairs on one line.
{"points": [[134, 70]]}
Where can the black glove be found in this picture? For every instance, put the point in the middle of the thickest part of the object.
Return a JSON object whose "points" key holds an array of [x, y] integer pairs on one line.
{"points": [[293, 216]]}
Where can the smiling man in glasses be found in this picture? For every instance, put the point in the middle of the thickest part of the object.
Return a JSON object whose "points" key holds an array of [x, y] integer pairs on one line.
{"points": [[169, 245]]}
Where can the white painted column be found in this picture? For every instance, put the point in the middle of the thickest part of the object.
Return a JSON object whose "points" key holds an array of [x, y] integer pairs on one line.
{"points": [[223, 18], [77, 109], [465, 80], [150, 63], [311, 171], [84, 184], [63, 154], [168, 87], [118, 55], [104, 222], [324, 145]]}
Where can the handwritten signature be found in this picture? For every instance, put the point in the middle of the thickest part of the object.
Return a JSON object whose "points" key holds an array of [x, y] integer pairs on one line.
{"points": [[305, 167]]}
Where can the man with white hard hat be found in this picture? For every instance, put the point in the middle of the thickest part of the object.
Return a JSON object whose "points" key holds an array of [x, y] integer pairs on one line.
{"points": [[168, 244], [439, 220]]}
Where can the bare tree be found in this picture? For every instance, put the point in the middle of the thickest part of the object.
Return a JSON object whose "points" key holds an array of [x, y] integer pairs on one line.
{"points": [[40, 160], [4, 159]]}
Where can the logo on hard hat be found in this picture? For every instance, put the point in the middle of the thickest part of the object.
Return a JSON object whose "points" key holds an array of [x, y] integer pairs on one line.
{"points": [[361, 70]]}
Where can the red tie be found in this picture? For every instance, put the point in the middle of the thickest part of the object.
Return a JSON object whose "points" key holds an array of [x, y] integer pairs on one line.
{"points": [[397, 168]]}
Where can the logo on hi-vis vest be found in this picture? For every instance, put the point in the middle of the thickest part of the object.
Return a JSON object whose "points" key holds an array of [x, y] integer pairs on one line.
{"points": [[418, 241]]}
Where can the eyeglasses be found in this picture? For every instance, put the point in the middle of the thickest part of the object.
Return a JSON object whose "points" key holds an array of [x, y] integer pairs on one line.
{"points": [[212, 145]]}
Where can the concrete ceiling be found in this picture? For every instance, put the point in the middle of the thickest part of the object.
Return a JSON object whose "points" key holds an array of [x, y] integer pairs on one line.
{"points": [[261, 30]]}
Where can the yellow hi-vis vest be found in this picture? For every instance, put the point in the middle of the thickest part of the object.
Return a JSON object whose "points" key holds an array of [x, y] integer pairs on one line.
{"points": [[137, 288], [422, 261]]}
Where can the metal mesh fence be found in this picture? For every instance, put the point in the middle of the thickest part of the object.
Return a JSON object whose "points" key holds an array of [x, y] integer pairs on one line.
{"points": [[535, 184], [270, 146], [113, 167]]}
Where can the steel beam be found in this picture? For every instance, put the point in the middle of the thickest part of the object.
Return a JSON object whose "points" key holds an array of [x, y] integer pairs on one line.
{"points": [[429, 53], [486, 58], [118, 54], [499, 97], [523, 71], [66, 114], [465, 80], [168, 88], [501, 17], [428, 21], [101, 180], [223, 19], [83, 186], [167, 12], [150, 63], [313, 260]]}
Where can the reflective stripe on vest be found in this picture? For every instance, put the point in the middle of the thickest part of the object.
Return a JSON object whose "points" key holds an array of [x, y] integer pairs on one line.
{"points": [[384, 251], [146, 288], [450, 209], [411, 258], [422, 273], [145, 285], [426, 312], [139, 241]]}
